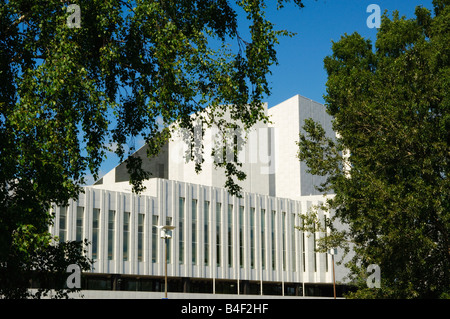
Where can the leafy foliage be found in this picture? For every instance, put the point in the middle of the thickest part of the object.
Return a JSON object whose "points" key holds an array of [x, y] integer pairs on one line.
{"points": [[66, 93], [389, 166]]}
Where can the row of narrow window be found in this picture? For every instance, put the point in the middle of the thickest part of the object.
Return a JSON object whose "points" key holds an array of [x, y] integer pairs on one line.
{"points": [[111, 231], [181, 244]]}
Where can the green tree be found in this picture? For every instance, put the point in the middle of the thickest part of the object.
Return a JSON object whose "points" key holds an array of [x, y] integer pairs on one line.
{"points": [[72, 81], [389, 166]]}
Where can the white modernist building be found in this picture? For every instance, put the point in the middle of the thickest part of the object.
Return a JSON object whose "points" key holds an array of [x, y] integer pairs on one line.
{"points": [[221, 243]]}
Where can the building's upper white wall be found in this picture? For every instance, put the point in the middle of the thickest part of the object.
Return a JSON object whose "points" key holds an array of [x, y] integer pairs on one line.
{"points": [[268, 156], [291, 177], [253, 156], [285, 121]]}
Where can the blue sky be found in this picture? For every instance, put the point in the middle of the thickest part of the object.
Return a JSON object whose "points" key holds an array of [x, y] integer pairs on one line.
{"points": [[300, 69]]}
